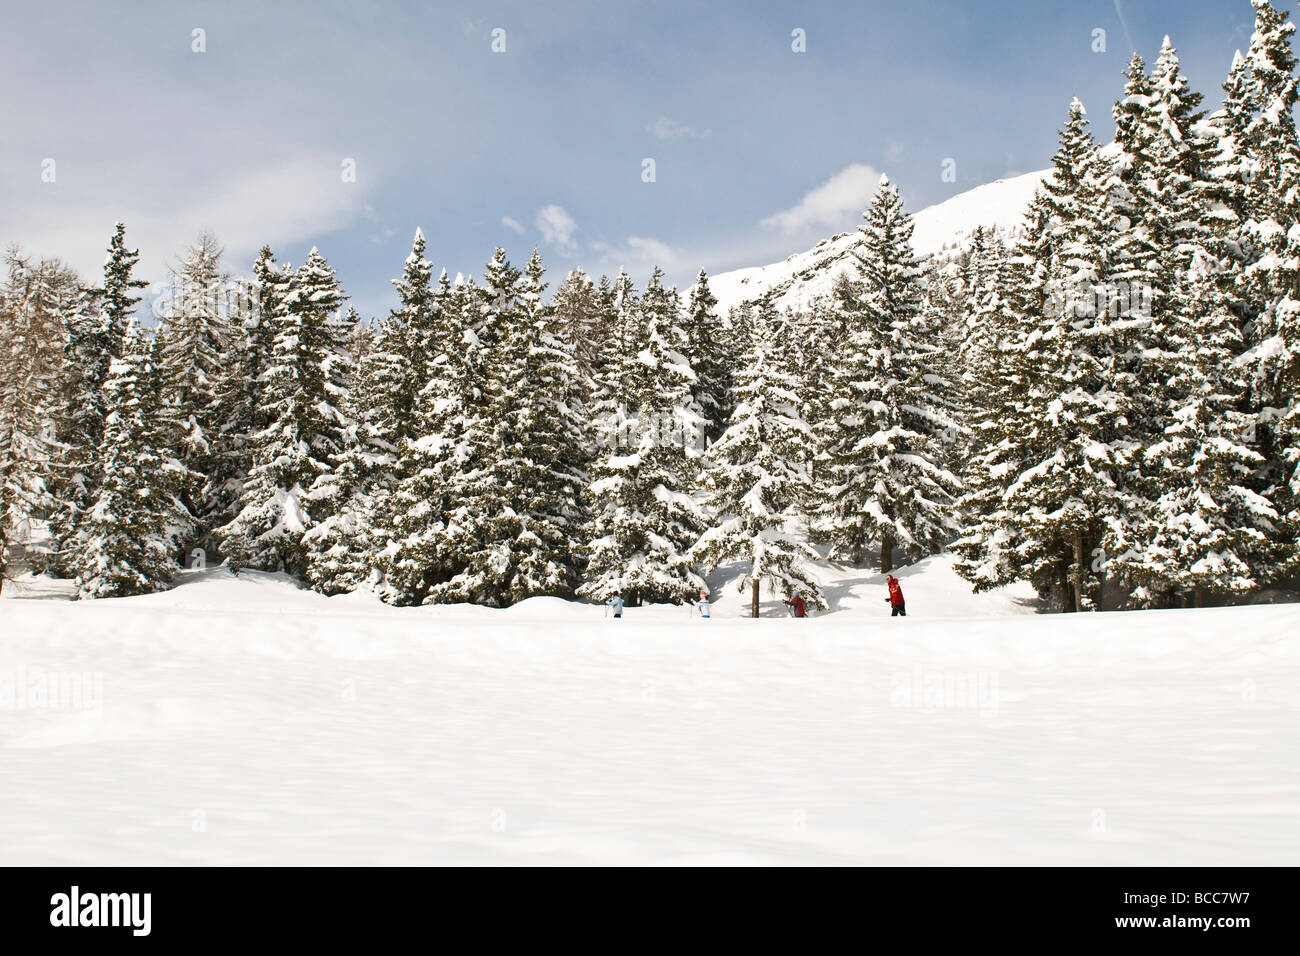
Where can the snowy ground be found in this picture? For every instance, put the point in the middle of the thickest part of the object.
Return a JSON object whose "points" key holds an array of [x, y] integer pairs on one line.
{"points": [[242, 721]]}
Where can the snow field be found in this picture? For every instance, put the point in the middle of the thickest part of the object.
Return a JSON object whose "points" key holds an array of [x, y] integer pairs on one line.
{"points": [[244, 721]]}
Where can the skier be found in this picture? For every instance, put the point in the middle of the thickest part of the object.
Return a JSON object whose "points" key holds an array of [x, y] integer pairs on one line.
{"points": [[616, 602], [703, 604], [796, 605], [895, 598]]}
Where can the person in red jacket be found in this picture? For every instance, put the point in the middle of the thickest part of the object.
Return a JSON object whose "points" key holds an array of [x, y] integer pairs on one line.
{"points": [[797, 607], [895, 598]]}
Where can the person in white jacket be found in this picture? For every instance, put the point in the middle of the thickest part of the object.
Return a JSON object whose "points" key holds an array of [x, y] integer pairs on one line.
{"points": [[703, 604]]}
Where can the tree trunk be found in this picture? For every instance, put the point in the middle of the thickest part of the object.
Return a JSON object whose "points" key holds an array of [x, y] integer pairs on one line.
{"points": [[886, 553], [753, 605], [1200, 596], [1064, 584], [1078, 570]]}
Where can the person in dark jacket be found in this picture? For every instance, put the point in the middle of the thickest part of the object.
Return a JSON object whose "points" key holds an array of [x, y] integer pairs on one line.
{"points": [[895, 598]]}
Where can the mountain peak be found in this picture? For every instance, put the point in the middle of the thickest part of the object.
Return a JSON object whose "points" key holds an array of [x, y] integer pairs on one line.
{"points": [[802, 278]]}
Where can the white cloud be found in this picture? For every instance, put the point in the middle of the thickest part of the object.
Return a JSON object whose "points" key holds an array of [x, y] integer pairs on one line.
{"points": [[556, 226], [652, 250], [832, 204], [299, 199], [512, 224], [666, 128], [637, 254]]}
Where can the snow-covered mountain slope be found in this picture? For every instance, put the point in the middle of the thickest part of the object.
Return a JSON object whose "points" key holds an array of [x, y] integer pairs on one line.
{"points": [[245, 721], [805, 276]]}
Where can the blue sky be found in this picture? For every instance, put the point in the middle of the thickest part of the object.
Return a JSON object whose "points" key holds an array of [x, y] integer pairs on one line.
{"points": [[542, 144]]}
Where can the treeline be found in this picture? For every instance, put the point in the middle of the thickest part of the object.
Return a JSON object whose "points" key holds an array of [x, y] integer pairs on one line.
{"points": [[1102, 404], [1132, 361], [483, 442]]}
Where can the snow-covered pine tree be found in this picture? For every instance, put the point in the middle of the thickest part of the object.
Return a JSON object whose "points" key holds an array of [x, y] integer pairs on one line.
{"points": [[758, 481], [993, 390], [125, 536], [801, 337], [1270, 282], [100, 342], [475, 539], [195, 338], [1269, 137], [1077, 449], [178, 479], [1163, 169], [578, 313], [972, 273], [1208, 530], [1126, 279], [407, 345], [624, 318], [612, 495], [346, 500], [95, 333], [671, 440], [881, 476], [936, 408], [543, 423], [303, 390], [969, 302], [1131, 114], [1224, 190], [272, 285], [1128, 276], [644, 519], [357, 496], [613, 399], [412, 558], [711, 357], [1178, 225], [811, 337], [737, 328], [945, 299], [241, 386], [604, 348], [1044, 480], [34, 299]]}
